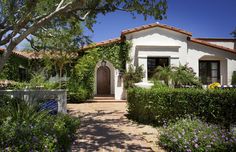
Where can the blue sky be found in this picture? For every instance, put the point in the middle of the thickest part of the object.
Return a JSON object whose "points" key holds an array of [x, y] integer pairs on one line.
{"points": [[204, 18]]}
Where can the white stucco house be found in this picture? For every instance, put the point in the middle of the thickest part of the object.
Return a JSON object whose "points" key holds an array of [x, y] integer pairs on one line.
{"points": [[212, 59]]}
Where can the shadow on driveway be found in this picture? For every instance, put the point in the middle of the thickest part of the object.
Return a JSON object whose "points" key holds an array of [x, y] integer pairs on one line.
{"points": [[106, 130]]}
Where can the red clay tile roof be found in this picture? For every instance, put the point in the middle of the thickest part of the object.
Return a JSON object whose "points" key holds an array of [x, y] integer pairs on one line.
{"points": [[4, 83], [115, 40], [39, 55], [218, 39], [28, 54], [211, 45], [25, 54], [144, 27]]}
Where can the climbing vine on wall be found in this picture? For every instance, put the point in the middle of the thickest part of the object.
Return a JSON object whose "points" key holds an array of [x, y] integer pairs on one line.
{"points": [[81, 83]]}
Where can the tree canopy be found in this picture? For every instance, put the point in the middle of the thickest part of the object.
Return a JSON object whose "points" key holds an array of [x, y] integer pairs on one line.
{"points": [[234, 33], [22, 19]]}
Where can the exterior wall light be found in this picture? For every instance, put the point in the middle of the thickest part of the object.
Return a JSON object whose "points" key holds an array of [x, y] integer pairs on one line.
{"points": [[121, 73], [103, 63]]}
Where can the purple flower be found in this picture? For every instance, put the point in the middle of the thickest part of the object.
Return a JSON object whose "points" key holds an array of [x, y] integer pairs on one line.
{"points": [[208, 146], [196, 146], [31, 126], [174, 140], [34, 139], [164, 125], [195, 139], [188, 150]]}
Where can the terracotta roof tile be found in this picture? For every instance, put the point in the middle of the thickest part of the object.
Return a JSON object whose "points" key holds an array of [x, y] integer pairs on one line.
{"points": [[211, 45], [28, 54], [144, 27], [39, 55], [6, 82], [115, 40], [25, 54], [218, 39]]}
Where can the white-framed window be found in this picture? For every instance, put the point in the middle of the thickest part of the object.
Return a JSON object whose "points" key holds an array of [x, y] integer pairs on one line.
{"points": [[154, 62], [209, 71]]}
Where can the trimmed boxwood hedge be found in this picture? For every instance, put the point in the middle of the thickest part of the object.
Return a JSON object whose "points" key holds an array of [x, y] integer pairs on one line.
{"points": [[158, 106]]}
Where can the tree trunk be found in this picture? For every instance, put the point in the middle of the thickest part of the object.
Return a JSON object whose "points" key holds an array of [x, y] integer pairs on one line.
{"points": [[15, 41], [60, 75]]}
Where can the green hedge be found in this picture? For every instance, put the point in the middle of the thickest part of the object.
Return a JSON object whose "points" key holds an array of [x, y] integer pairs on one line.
{"points": [[162, 105]]}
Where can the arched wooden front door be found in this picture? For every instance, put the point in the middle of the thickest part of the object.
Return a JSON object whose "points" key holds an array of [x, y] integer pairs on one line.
{"points": [[103, 81]]}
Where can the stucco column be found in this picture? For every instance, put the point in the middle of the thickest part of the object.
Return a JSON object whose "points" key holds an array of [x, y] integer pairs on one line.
{"points": [[143, 61], [174, 61]]}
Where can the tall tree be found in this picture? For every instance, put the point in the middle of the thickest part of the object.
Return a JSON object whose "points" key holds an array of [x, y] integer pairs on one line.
{"points": [[20, 19], [234, 33]]}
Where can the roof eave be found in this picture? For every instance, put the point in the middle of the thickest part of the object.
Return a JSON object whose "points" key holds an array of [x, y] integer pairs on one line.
{"points": [[103, 43], [211, 45], [217, 39]]}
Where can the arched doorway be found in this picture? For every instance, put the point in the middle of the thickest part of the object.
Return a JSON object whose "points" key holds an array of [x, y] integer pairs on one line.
{"points": [[103, 81]]}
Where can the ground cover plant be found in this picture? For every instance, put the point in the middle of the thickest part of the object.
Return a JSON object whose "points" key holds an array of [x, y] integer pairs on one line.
{"points": [[188, 135], [23, 128]]}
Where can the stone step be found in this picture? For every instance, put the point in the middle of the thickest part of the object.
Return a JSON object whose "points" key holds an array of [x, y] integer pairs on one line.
{"points": [[103, 98], [104, 101]]}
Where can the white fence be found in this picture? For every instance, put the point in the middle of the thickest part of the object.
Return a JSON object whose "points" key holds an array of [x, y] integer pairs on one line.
{"points": [[35, 95]]}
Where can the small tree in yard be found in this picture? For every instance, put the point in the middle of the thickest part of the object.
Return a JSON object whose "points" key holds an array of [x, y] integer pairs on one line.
{"points": [[177, 76], [21, 19], [132, 76], [234, 33], [163, 73], [59, 46]]}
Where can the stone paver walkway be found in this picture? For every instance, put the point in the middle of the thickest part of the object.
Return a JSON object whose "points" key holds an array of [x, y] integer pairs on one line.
{"points": [[104, 127]]}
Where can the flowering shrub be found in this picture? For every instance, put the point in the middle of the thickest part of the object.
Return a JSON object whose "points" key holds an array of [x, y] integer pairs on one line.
{"points": [[22, 128], [214, 85], [187, 135]]}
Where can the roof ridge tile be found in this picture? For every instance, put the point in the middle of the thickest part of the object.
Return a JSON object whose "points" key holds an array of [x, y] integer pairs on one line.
{"points": [[152, 25]]}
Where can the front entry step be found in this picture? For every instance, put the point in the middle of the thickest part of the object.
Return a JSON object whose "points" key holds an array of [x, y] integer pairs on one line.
{"points": [[104, 99]]}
